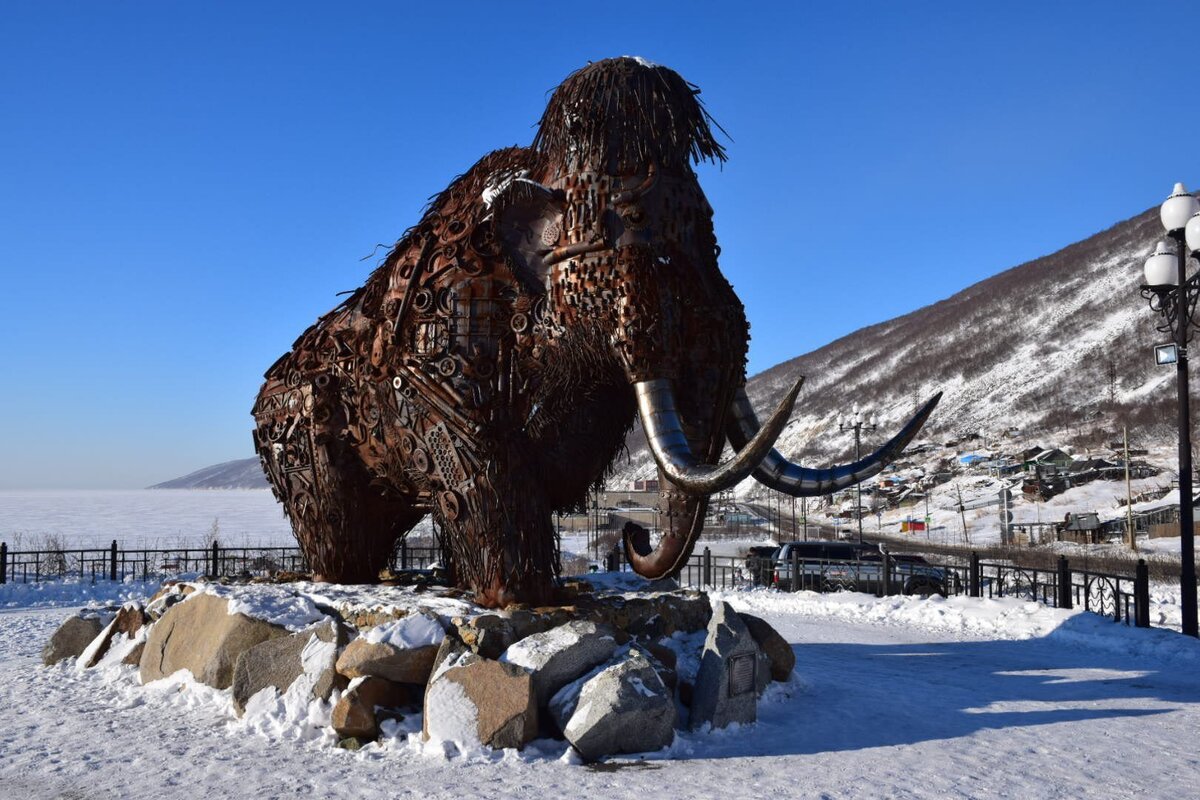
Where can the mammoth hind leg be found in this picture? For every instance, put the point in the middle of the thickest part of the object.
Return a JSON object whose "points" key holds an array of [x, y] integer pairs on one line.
{"points": [[346, 527]]}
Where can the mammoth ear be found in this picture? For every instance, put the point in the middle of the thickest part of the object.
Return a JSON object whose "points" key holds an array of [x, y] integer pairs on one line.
{"points": [[528, 219]]}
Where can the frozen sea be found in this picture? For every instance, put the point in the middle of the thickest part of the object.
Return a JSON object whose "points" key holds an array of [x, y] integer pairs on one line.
{"points": [[142, 517]]}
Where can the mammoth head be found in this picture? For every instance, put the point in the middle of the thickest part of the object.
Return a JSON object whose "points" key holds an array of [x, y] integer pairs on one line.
{"points": [[612, 225], [620, 114]]}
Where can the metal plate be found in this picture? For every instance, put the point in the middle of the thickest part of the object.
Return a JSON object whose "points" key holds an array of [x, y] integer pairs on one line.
{"points": [[741, 674]]}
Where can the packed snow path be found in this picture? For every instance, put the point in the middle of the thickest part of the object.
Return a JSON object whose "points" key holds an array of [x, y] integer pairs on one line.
{"points": [[892, 704]]}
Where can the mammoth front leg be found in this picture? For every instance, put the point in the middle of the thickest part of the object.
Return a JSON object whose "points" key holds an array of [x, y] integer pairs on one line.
{"points": [[501, 533]]}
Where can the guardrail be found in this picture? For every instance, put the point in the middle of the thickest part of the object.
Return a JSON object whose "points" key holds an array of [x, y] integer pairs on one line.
{"points": [[115, 563], [1123, 598]]}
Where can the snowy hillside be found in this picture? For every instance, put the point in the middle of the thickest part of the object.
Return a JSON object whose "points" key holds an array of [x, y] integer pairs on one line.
{"points": [[245, 473], [1058, 348]]}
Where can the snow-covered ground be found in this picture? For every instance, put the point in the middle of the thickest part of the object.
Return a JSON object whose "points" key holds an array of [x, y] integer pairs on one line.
{"points": [[895, 697]]}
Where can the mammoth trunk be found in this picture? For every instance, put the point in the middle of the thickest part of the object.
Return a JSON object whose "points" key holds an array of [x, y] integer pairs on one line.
{"points": [[682, 336]]}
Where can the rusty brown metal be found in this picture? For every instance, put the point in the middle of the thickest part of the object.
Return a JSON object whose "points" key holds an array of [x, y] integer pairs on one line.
{"points": [[485, 371]]}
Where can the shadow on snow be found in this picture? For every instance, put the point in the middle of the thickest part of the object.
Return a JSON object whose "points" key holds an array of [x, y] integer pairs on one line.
{"points": [[858, 696]]}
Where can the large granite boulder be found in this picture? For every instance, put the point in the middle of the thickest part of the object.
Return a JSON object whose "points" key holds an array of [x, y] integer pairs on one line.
{"points": [[72, 637], [199, 634], [280, 662], [622, 707], [472, 701], [401, 651], [355, 715], [777, 650], [726, 683], [560, 655]]}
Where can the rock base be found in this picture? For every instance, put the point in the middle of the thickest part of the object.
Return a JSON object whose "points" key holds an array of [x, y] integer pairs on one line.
{"points": [[611, 673]]}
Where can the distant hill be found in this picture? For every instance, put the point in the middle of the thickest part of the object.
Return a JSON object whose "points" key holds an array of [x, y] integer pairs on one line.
{"points": [[245, 473]]}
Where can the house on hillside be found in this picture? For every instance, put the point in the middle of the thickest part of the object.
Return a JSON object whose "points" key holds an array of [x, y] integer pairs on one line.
{"points": [[1080, 528], [1087, 470], [1030, 453], [1053, 458], [1041, 486]]}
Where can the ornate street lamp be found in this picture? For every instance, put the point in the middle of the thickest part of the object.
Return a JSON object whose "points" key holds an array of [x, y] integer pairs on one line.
{"points": [[1173, 295], [858, 421]]}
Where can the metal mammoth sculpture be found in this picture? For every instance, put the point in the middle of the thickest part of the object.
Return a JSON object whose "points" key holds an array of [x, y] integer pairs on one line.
{"points": [[489, 371]]}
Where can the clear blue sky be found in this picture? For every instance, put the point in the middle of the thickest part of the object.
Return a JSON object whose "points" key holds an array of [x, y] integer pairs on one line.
{"points": [[185, 186]]}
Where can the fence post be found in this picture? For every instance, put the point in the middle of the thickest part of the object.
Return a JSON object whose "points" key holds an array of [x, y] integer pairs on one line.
{"points": [[1064, 583], [216, 555], [708, 581], [3, 562], [1141, 595], [610, 561], [887, 574], [974, 577], [795, 587], [404, 554], [112, 562]]}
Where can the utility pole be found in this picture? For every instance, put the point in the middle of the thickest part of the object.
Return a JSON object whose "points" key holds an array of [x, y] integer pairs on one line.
{"points": [[962, 511], [928, 520], [1129, 497], [856, 420]]}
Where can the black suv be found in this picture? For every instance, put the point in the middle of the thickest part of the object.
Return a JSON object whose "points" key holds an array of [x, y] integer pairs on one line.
{"points": [[853, 567]]}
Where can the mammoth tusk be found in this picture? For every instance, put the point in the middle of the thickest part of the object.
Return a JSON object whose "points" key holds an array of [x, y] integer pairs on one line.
{"points": [[776, 472], [669, 444]]}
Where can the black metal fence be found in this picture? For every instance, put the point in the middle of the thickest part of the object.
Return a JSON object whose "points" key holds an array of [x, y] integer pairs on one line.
{"points": [[1123, 598], [115, 563]]}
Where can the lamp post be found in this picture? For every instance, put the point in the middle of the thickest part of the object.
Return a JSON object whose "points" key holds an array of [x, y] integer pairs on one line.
{"points": [[1173, 295], [856, 421]]}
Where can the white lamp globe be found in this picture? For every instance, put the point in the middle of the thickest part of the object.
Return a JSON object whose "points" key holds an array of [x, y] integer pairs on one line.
{"points": [[1161, 267], [1177, 209], [1192, 233]]}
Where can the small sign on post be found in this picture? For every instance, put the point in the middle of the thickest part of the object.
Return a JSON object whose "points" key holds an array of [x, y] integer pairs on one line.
{"points": [[1165, 354]]}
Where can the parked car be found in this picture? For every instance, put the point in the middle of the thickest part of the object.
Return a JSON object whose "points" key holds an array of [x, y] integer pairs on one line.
{"points": [[854, 567]]}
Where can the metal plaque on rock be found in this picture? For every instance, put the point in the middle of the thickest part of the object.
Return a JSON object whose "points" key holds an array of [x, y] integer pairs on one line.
{"points": [[741, 674]]}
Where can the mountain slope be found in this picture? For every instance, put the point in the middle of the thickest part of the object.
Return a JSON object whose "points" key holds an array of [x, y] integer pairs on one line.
{"points": [[1058, 348], [245, 473]]}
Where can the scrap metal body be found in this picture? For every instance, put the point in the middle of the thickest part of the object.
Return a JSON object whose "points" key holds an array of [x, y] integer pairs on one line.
{"points": [[484, 373]]}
